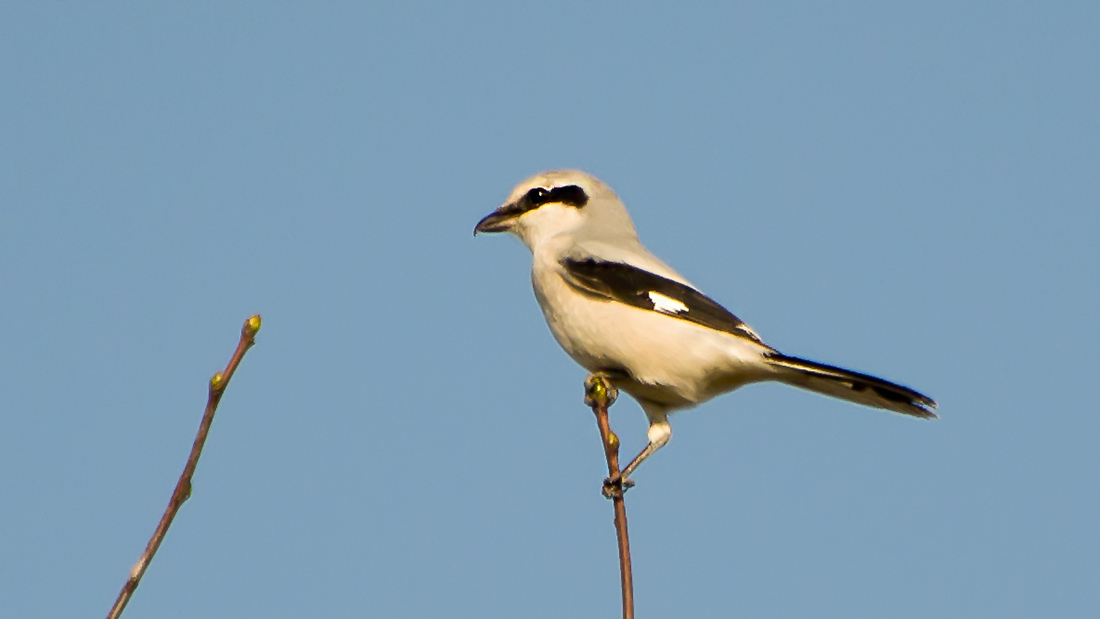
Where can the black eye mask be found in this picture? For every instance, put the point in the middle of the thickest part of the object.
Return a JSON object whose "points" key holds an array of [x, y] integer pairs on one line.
{"points": [[569, 195]]}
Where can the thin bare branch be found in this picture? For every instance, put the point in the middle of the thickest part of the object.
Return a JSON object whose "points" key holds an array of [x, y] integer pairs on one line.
{"points": [[600, 394], [183, 486]]}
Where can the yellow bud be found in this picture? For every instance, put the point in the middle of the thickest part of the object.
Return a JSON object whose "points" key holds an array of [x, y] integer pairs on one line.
{"points": [[613, 439], [216, 382], [254, 323]]}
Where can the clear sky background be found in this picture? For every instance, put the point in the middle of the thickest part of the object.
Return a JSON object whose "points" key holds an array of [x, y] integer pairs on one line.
{"points": [[907, 189]]}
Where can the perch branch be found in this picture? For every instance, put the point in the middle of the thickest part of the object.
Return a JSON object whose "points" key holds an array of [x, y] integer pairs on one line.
{"points": [[183, 486], [600, 394]]}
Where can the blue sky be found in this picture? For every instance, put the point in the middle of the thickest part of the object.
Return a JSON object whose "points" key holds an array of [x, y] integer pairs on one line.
{"points": [[909, 190]]}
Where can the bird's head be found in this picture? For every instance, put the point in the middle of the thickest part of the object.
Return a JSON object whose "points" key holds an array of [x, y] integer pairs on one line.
{"points": [[561, 202]]}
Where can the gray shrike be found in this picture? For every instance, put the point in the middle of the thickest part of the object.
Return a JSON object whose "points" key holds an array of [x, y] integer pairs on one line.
{"points": [[617, 309]]}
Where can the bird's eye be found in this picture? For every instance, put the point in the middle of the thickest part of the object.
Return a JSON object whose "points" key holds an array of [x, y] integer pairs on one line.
{"points": [[537, 195]]}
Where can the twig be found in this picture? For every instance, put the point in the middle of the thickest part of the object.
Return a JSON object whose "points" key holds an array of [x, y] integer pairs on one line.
{"points": [[600, 394], [183, 486]]}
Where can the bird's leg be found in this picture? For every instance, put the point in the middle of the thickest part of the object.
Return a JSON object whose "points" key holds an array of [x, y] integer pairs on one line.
{"points": [[659, 433], [645, 453]]}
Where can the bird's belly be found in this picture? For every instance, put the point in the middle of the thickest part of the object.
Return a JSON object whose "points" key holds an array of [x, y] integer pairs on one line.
{"points": [[670, 360]]}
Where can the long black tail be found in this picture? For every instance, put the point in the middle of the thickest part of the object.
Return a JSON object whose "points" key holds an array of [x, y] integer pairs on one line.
{"points": [[851, 386]]}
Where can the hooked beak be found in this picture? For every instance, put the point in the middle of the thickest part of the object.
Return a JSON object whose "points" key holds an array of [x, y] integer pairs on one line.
{"points": [[500, 220]]}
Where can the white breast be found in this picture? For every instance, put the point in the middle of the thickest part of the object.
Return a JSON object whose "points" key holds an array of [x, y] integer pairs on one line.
{"points": [[676, 361]]}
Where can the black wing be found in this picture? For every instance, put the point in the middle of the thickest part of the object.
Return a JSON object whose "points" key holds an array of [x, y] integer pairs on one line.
{"points": [[642, 289]]}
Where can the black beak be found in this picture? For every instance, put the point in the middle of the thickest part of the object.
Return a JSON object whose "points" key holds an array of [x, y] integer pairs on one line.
{"points": [[497, 221]]}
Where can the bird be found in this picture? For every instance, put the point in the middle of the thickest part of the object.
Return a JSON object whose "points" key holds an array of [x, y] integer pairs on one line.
{"points": [[621, 312]]}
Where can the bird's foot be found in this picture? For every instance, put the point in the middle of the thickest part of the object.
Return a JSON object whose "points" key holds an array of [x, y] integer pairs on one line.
{"points": [[616, 486], [599, 389]]}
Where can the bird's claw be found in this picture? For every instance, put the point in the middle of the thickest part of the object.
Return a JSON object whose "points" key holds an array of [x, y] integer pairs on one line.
{"points": [[599, 390], [616, 486]]}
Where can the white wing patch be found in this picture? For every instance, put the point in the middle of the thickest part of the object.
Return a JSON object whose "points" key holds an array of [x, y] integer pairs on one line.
{"points": [[666, 305]]}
